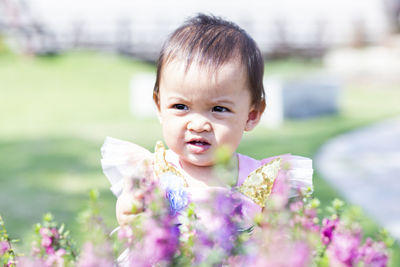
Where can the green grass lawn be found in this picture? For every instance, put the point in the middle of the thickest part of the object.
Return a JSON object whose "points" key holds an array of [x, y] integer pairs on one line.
{"points": [[55, 113]]}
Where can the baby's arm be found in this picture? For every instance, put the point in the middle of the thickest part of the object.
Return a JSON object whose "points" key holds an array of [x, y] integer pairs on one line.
{"points": [[130, 202]]}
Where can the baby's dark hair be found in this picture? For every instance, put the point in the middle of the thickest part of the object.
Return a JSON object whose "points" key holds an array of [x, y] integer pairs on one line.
{"points": [[212, 41]]}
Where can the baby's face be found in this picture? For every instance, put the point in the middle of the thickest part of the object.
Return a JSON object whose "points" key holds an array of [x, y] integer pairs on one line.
{"points": [[201, 111]]}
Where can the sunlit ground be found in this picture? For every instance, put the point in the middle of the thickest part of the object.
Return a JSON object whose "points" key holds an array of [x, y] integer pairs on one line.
{"points": [[55, 113]]}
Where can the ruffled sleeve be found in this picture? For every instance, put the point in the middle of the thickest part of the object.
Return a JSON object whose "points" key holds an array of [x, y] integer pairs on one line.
{"points": [[120, 159], [284, 175], [296, 172]]}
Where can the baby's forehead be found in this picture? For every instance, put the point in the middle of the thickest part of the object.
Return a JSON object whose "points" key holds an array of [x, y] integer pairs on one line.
{"points": [[210, 68], [230, 78]]}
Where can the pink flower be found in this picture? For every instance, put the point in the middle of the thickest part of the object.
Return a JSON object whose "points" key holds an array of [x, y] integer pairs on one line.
{"points": [[44, 232], [328, 226], [35, 250], [126, 233], [374, 254], [46, 241], [29, 262], [56, 259], [4, 247], [296, 206], [287, 253], [94, 256], [50, 251], [46, 237], [343, 249], [301, 255], [55, 233]]}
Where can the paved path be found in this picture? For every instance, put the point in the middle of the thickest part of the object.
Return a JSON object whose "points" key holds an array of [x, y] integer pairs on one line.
{"points": [[364, 165]]}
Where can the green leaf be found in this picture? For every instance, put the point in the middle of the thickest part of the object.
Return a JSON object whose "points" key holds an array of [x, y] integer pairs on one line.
{"points": [[94, 195], [48, 217], [61, 229], [337, 204]]}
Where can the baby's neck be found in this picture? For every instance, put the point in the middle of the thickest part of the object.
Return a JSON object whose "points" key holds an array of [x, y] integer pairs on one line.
{"points": [[205, 176]]}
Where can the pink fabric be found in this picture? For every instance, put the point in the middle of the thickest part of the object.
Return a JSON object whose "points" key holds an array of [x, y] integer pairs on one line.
{"points": [[246, 166], [280, 184]]}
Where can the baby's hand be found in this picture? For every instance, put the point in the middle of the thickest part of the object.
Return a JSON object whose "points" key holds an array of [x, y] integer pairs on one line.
{"points": [[131, 201], [129, 204]]}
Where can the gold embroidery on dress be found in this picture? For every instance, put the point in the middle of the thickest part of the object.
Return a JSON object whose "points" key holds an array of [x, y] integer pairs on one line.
{"points": [[258, 184], [161, 165]]}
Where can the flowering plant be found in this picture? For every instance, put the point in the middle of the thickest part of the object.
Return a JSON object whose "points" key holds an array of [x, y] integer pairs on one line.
{"points": [[7, 254], [172, 230]]}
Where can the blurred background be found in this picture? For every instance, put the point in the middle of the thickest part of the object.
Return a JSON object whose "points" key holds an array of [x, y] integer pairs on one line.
{"points": [[73, 72]]}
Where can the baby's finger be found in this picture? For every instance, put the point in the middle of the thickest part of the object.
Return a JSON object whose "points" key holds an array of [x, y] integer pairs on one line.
{"points": [[139, 194], [134, 208]]}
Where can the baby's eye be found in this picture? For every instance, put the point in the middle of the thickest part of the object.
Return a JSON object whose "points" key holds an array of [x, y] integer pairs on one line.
{"points": [[180, 107], [220, 109]]}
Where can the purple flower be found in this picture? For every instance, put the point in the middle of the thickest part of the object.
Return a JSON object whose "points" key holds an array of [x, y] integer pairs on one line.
{"points": [[227, 213], [160, 243], [226, 236], [4, 247], [177, 198], [175, 192], [203, 239], [224, 202]]}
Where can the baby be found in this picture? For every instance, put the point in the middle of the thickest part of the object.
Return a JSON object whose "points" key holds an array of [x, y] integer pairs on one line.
{"points": [[208, 91]]}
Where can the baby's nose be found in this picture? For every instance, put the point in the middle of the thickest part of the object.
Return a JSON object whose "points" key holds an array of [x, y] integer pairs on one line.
{"points": [[199, 123]]}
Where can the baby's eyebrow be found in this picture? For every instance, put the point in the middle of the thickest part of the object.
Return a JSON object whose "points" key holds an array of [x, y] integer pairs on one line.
{"points": [[177, 98], [222, 102]]}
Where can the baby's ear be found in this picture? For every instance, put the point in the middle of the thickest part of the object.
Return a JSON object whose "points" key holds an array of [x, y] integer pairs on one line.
{"points": [[254, 116], [157, 104]]}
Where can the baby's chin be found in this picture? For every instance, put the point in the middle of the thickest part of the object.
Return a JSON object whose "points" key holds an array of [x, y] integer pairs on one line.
{"points": [[198, 161]]}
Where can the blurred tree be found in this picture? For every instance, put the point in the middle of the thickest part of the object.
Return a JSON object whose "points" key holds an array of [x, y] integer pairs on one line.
{"points": [[392, 10], [32, 35]]}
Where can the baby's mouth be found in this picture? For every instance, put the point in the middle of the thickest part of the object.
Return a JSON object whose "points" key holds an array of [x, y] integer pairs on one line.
{"points": [[197, 146], [199, 143]]}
